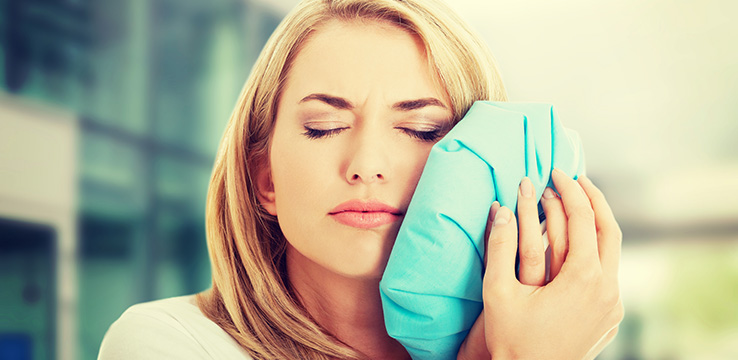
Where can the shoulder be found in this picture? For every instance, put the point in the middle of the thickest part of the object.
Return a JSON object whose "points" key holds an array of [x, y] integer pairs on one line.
{"points": [[173, 328]]}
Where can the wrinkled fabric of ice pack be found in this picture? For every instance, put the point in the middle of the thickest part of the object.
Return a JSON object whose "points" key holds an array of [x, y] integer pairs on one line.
{"points": [[432, 286]]}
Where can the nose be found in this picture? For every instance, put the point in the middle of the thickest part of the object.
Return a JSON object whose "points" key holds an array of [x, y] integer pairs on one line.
{"points": [[370, 178], [369, 162]]}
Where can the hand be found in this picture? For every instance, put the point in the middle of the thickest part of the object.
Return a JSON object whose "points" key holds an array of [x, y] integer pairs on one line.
{"points": [[573, 316]]}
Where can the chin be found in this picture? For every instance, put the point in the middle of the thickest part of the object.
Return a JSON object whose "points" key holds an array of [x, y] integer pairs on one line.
{"points": [[371, 260], [368, 264], [376, 271]]}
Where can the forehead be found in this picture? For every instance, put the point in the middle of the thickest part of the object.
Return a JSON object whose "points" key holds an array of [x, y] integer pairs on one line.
{"points": [[348, 56], [365, 31]]}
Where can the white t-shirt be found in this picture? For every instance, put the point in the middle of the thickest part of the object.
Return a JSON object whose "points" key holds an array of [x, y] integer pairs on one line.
{"points": [[173, 328]]}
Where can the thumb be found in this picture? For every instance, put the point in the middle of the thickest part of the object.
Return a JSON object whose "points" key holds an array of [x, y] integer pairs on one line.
{"points": [[475, 344], [502, 246]]}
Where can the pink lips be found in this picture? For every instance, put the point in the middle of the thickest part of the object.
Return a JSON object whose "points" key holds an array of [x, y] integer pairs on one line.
{"points": [[365, 214]]}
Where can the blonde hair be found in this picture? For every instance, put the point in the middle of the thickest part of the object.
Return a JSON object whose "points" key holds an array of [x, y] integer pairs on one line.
{"points": [[251, 298]]}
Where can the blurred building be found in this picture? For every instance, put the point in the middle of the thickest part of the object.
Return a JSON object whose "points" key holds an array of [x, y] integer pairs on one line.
{"points": [[110, 116]]}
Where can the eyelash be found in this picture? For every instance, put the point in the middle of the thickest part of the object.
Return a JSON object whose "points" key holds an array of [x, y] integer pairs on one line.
{"points": [[318, 134], [426, 136]]}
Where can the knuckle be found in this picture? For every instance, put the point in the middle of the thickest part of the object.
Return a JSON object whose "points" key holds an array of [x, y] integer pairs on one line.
{"points": [[611, 298], [560, 247], [595, 193], [614, 237], [588, 276], [584, 212], [612, 232], [495, 240], [493, 293], [531, 257]]}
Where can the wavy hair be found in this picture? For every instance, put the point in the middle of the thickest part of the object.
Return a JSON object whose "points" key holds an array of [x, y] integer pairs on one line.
{"points": [[251, 297]]}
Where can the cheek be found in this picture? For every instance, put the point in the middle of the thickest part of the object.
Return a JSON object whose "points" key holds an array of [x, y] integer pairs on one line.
{"points": [[292, 174], [413, 168], [300, 174]]}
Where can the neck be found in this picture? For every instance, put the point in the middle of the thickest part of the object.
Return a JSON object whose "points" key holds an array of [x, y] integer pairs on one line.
{"points": [[349, 308]]}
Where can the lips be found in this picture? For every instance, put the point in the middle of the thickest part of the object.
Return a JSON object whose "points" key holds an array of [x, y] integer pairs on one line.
{"points": [[365, 214]]}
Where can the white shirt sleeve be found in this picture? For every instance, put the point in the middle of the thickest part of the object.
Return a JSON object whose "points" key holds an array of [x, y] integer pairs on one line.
{"points": [[172, 328], [142, 336]]}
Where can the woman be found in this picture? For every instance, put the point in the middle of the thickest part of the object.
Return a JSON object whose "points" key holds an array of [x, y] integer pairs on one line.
{"points": [[314, 173]]}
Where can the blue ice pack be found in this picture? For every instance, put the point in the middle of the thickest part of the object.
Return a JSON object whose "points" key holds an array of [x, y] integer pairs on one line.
{"points": [[432, 286]]}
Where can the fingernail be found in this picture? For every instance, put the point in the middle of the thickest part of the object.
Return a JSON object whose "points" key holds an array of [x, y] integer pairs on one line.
{"points": [[493, 210], [548, 193], [526, 188], [502, 217], [558, 172]]}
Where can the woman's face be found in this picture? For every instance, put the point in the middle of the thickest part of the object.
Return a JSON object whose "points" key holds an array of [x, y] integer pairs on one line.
{"points": [[356, 120]]}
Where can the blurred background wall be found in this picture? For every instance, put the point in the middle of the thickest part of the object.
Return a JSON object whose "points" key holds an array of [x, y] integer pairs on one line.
{"points": [[110, 116], [111, 112]]}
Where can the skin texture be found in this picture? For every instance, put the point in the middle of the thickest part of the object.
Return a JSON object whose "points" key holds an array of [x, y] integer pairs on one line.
{"points": [[368, 146]]}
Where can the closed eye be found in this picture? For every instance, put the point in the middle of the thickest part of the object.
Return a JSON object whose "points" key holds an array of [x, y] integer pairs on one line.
{"points": [[431, 135], [425, 135], [319, 134]]}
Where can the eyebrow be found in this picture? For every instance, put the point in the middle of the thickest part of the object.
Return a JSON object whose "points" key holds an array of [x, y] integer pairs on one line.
{"points": [[335, 101], [417, 104], [343, 104]]}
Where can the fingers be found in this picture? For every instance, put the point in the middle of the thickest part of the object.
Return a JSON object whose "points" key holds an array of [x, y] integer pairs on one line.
{"points": [[530, 246], [502, 245], [492, 211], [580, 218], [609, 235], [556, 230]]}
